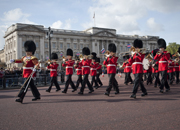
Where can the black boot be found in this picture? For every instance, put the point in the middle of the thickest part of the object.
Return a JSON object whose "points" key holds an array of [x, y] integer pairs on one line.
{"points": [[133, 96], [48, 90], [106, 93], [36, 98], [80, 93], [144, 94], [19, 100]]}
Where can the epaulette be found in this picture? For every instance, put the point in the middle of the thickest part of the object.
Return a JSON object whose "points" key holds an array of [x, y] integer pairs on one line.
{"points": [[33, 58]]}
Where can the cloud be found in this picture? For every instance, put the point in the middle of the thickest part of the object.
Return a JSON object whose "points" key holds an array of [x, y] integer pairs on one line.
{"points": [[11, 17], [59, 25], [153, 26]]}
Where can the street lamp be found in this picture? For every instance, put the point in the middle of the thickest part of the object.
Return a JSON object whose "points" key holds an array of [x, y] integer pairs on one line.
{"points": [[49, 36]]}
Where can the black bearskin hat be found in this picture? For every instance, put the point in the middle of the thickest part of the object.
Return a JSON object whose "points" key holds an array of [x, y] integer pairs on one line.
{"points": [[30, 46], [112, 47], [98, 59], [93, 55], [54, 56], [126, 56], [178, 50], [154, 52], [138, 43], [85, 51], [69, 52], [77, 57], [161, 43]]}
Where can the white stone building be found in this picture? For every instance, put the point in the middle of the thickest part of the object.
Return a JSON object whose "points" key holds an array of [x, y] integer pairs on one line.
{"points": [[95, 38]]}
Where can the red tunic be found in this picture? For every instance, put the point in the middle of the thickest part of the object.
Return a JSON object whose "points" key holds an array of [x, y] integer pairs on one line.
{"points": [[99, 66], [29, 62], [69, 67], [163, 60], [78, 69], [111, 64], [176, 67], [127, 67], [136, 62], [93, 66], [53, 69], [170, 66], [153, 70], [86, 66]]}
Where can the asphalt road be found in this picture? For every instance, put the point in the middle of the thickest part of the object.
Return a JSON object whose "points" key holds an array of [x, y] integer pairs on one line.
{"points": [[93, 111]]}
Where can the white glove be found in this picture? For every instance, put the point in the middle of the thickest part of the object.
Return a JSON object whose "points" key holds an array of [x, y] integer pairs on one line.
{"points": [[12, 60], [49, 62], [34, 69]]}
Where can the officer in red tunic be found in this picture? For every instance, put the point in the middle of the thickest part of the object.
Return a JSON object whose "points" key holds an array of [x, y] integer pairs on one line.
{"points": [[99, 72], [53, 72], [155, 70], [93, 71], [163, 57], [176, 70], [127, 69], [111, 63], [69, 71], [136, 61], [86, 70], [30, 63], [170, 70], [78, 67]]}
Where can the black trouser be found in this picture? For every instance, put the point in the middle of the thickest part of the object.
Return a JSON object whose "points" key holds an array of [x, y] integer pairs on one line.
{"points": [[138, 81], [157, 80], [149, 78], [34, 89], [164, 80], [145, 76], [69, 81], [86, 81], [79, 80], [98, 79], [94, 81], [112, 82], [177, 76], [54, 80], [170, 76], [128, 77]]}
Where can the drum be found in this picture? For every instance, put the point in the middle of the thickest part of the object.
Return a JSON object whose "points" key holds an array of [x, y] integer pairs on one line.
{"points": [[146, 64]]}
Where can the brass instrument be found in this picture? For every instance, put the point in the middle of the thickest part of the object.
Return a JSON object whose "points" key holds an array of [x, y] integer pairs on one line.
{"points": [[149, 57], [177, 55], [107, 54]]}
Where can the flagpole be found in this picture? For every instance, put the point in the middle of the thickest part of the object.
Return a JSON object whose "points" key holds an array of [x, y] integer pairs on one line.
{"points": [[94, 20]]}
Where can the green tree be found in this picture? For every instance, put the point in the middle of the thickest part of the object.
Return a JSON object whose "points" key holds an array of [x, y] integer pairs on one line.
{"points": [[172, 47]]}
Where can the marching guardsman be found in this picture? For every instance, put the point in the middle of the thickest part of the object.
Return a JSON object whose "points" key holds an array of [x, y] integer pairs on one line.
{"points": [[99, 72], [93, 71], [68, 63], [53, 72], [86, 70], [78, 67], [155, 70], [163, 56], [29, 67], [149, 73], [127, 69], [111, 63], [137, 67], [170, 69], [176, 65]]}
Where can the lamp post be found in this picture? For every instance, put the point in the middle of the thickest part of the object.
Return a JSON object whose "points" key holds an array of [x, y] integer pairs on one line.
{"points": [[49, 36]]}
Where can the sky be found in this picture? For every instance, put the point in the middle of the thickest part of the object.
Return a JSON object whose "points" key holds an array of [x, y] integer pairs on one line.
{"points": [[129, 17]]}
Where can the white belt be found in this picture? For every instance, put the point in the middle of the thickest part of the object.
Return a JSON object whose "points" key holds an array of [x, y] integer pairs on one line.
{"points": [[52, 69], [86, 66], [69, 67], [162, 61], [78, 69], [31, 68], [111, 65], [137, 63], [176, 66], [128, 67], [93, 69]]}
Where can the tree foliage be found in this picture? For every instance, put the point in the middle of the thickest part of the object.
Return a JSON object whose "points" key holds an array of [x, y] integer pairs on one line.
{"points": [[172, 47]]}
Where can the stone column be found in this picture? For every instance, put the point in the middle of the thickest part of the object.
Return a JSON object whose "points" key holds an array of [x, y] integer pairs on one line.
{"points": [[41, 46]]}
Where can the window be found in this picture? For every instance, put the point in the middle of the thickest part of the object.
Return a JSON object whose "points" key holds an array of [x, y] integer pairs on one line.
{"points": [[68, 45], [75, 46], [54, 45], [61, 46], [121, 48], [46, 45], [81, 46], [37, 44], [37, 55]]}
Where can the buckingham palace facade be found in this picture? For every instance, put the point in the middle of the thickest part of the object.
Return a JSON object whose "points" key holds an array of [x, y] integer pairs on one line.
{"points": [[95, 38]]}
